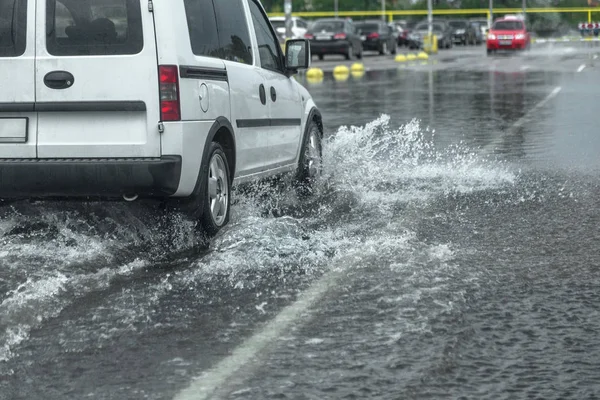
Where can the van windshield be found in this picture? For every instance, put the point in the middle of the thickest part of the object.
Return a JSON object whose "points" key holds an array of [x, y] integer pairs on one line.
{"points": [[508, 26], [13, 19]]}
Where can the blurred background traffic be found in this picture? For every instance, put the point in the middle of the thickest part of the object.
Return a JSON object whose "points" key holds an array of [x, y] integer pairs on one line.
{"points": [[350, 28]]}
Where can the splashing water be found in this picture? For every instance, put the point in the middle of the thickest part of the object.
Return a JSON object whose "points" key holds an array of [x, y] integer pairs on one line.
{"points": [[382, 165], [52, 255]]}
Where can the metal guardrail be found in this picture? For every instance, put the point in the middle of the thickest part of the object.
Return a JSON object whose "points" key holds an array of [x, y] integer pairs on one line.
{"points": [[390, 14]]}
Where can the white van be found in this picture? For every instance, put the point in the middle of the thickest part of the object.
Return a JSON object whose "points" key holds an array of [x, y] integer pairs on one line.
{"points": [[174, 99]]}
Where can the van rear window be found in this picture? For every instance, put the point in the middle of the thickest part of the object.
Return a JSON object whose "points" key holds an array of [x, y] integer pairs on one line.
{"points": [[13, 27], [96, 27]]}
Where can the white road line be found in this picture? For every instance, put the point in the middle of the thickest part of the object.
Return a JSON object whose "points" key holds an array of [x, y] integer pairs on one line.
{"points": [[581, 68], [490, 147], [210, 381], [525, 67], [595, 56]]}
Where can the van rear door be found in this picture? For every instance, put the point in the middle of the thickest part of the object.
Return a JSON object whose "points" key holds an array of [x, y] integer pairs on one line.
{"points": [[17, 89], [96, 79]]}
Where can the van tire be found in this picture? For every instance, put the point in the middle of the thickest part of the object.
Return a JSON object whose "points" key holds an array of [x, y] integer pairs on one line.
{"points": [[216, 190], [197, 206], [310, 162]]}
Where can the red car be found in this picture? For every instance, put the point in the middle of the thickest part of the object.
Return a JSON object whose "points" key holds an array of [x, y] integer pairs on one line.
{"points": [[508, 33]]}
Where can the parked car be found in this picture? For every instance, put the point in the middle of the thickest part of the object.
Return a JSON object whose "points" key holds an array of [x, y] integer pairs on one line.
{"points": [[334, 36], [299, 26], [508, 33], [440, 28], [377, 36], [402, 30], [479, 33], [463, 32], [483, 25], [209, 101]]}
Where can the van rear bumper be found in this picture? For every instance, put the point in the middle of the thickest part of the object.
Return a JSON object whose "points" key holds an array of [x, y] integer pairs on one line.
{"points": [[89, 177]]}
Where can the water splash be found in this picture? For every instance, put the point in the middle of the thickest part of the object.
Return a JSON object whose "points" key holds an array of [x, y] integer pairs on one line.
{"points": [[54, 253]]}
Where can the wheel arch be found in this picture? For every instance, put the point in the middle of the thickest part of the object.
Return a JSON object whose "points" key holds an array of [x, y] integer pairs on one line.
{"points": [[222, 132], [312, 114]]}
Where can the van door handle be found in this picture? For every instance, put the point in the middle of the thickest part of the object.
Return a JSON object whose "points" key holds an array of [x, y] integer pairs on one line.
{"points": [[59, 80], [263, 94]]}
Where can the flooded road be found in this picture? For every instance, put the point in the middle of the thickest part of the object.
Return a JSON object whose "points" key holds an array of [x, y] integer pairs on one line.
{"points": [[450, 252]]}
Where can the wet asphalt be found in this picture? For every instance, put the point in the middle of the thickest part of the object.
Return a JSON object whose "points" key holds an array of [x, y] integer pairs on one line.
{"points": [[450, 252]]}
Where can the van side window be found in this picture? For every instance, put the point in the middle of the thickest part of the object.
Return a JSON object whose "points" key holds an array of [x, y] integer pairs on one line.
{"points": [[99, 27], [268, 46], [13, 27], [64, 19], [202, 27], [234, 36]]}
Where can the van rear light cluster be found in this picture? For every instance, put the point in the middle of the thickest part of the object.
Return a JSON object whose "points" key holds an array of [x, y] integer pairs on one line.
{"points": [[170, 109], [373, 35], [339, 36]]}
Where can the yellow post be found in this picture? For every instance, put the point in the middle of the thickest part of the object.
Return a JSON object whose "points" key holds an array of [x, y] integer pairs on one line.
{"points": [[430, 44], [390, 17], [589, 16]]}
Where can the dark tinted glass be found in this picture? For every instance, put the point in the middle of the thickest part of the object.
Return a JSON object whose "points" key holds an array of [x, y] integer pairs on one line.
{"points": [[13, 27], [202, 26], [458, 24], [367, 28], [434, 27], [268, 45], [234, 37], [98, 27], [508, 25], [278, 24], [328, 26]]}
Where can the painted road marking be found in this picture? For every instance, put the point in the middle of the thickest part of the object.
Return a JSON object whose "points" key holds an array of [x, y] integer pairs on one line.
{"points": [[217, 377], [581, 68], [491, 147]]}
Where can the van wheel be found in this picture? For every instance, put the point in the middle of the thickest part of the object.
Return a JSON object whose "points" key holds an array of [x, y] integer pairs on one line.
{"points": [[217, 190], [210, 201], [310, 162]]}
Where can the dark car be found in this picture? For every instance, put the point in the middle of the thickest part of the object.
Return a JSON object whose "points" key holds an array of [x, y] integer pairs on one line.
{"points": [[479, 32], [463, 32], [402, 31], [440, 28], [377, 36], [334, 36]]}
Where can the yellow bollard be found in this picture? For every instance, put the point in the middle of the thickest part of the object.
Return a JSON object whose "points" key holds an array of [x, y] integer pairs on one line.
{"points": [[430, 44], [411, 57], [422, 56], [341, 77], [314, 80], [314, 73], [400, 58], [357, 74], [357, 67], [341, 70]]}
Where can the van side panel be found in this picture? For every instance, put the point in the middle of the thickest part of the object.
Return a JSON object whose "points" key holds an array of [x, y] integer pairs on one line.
{"points": [[203, 89]]}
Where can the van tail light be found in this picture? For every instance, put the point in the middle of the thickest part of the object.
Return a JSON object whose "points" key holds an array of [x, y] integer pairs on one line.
{"points": [[339, 36], [309, 36], [373, 35], [170, 109]]}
